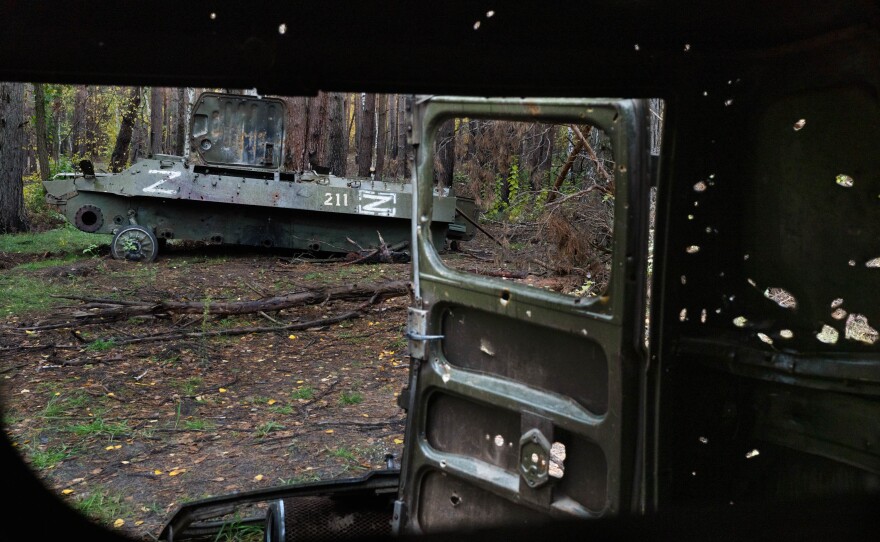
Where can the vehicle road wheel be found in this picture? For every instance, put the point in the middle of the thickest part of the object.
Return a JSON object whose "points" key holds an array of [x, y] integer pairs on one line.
{"points": [[134, 243]]}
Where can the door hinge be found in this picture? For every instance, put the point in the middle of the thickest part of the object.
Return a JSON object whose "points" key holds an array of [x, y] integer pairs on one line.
{"points": [[416, 332]]}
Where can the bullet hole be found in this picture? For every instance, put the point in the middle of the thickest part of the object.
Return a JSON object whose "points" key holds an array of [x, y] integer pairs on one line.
{"points": [[442, 463], [687, 47], [728, 102], [490, 14], [636, 47], [782, 298], [505, 296], [705, 93], [282, 29], [690, 217], [844, 180], [213, 16], [745, 257], [752, 282], [455, 500], [852, 263], [499, 440], [704, 440], [703, 316], [700, 187], [753, 453], [683, 279], [858, 329], [875, 263], [764, 338], [693, 249], [837, 302], [786, 333], [477, 25], [828, 335], [740, 321], [535, 458], [800, 124], [683, 315]]}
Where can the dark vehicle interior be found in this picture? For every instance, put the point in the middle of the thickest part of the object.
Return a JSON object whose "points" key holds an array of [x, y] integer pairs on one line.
{"points": [[754, 410]]}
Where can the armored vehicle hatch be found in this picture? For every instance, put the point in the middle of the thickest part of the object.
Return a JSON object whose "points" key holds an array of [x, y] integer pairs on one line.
{"points": [[233, 190]]}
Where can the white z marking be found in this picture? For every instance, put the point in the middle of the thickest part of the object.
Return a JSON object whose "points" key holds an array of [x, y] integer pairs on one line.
{"points": [[378, 199], [171, 175]]}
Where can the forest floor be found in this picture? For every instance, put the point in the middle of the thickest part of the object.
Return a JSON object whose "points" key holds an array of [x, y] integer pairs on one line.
{"points": [[128, 432]]}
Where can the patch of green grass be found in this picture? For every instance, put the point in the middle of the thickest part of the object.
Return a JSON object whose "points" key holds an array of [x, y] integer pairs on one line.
{"points": [[100, 345], [350, 398], [267, 428], [25, 293], [99, 427], [302, 478], [43, 264], [303, 392], [313, 276], [344, 453], [399, 344], [48, 458], [281, 409], [257, 399], [67, 239], [198, 425], [190, 385], [104, 506], [237, 531]]}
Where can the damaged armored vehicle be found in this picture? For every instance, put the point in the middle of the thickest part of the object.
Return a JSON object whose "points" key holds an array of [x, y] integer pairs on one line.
{"points": [[233, 190]]}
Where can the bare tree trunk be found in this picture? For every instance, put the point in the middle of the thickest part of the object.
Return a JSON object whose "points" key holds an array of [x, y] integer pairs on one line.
{"points": [[119, 157], [93, 114], [12, 150], [445, 153], [140, 133], [381, 133], [367, 135], [392, 124], [167, 106], [295, 149], [402, 150], [156, 99], [42, 136], [78, 130], [189, 97], [182, 120], [316, 153], [337, 143]]}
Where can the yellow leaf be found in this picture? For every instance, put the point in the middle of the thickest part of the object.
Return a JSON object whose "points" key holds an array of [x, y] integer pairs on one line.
{"points": [[271, 401], [157, 471], [398, 441], [119, 523], [67, 491], [176, 472], [328, 431], [300, 381], [292, 337], [222, 390], [29, 332], [258, 477], [109, 447], [365, 415], [57, 393], [139, 522], [111, 394]]}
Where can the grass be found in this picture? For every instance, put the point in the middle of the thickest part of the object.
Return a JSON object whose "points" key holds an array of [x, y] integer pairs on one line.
{"points": [[100, 345], [48, 458], [21, 294], [99, 427], [66, 239], [198, 425], [301, 478], [104, 506], [303, 392], [350, 398], [190, 385], [281, 409], [236, 531], [267, 428]]}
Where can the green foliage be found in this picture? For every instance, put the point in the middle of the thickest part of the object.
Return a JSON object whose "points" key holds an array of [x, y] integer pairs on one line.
{"points": [[303, 392], [198, 425], [104, 506], [22, 294], [66, 239], [99, 427], [190, 385], [237, 531], [266, 428], [48, 457], [350, 398], [100, 345]]}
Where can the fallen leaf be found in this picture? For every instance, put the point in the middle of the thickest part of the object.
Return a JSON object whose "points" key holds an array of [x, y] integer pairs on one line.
{"points": [[139, 522], [222, 390], [258, 477], [328, 431], [300, 381], [271, 401], [176, 472], [398, 441], [219, 479], [67, 491], [292, 337], [119, 523], [111, 394], [157, 472]]}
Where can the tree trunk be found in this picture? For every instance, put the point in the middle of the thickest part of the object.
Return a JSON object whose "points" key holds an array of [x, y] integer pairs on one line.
{"points": [[119, 157], [92, 123], [42, 136], [337, 147], [381, 133], [295, 149], [445, 153], [402, 150], [156, 99], [168, 123], [315, 149], [392, 124], [140, 133], [12, 150], [182, 121], [78, 130], [367, 136]]}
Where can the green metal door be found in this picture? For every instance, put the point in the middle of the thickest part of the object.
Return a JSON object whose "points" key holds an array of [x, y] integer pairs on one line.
{"points": [[510, 383]]}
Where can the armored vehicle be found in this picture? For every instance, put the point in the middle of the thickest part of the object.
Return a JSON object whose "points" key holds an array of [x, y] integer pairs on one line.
{"points": [[232, 190]]}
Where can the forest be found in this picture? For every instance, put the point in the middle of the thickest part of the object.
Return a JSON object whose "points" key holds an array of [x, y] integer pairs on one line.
{"points": [[548, 188]]}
